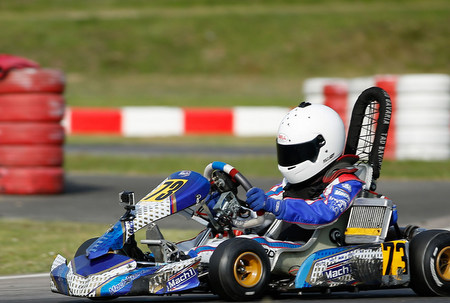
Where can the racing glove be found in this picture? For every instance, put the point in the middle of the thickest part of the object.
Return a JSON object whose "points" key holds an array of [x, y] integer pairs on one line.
{"points": [[256, 198]]}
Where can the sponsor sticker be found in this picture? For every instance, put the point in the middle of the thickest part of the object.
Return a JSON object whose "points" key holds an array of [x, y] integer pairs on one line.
{"points": [[184, 173], [181, 278], [283, 138], [337, 271]]}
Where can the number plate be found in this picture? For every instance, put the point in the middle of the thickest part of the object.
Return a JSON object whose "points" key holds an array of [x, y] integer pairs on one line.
{"points": [[395, 261], [165, 190]]}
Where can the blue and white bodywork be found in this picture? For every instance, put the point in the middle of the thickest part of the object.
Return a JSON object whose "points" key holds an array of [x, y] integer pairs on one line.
{"points": [[105, 270]]}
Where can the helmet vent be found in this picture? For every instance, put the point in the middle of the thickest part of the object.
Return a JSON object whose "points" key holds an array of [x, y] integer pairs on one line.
{"points": [[304, 104]]}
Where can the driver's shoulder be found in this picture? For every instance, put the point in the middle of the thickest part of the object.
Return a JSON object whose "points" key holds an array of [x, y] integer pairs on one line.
{"points": [[275, 191], [346, 177]]}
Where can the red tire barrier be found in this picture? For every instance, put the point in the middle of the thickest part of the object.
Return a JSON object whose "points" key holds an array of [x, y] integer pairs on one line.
{"points": [[31, 136], [32, 107], [31, 80], [31, 133], [31, 180], [10, 62], [31, 155], [336, 98]]}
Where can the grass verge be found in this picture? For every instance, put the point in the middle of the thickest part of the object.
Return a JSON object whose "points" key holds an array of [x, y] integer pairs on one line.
{"points": [[30, 246], [221, 53]]}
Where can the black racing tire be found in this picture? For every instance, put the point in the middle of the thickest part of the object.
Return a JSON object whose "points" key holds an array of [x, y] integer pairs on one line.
{"points": [[82, 249], [430, 263], [239, 270]]}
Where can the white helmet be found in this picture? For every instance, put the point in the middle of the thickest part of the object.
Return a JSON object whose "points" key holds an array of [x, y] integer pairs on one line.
{"points": [[310, 137]]}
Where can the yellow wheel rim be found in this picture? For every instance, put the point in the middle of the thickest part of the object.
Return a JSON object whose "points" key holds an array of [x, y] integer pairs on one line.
{"points": [[247, 269], [443, 264]]}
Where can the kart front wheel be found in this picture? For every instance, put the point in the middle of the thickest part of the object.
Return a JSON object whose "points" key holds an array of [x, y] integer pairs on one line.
{"points": [[239, 269], [430, 263]]}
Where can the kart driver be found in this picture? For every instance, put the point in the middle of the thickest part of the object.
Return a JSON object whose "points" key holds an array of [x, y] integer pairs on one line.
{"points": [[319, 182]]}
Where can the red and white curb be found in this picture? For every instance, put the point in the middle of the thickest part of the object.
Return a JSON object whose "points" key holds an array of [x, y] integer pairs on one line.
{"points": [[174, 121]]}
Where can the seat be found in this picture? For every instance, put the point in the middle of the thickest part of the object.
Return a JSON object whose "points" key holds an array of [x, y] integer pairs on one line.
{"points": [[365, 173], [161, 249]]}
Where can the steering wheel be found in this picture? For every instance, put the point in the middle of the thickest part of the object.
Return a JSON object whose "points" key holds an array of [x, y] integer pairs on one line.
{"points": [[229, 170], [252, 219]]}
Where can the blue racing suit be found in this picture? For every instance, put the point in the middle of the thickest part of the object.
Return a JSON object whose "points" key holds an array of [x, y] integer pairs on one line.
{"points": [[326, 208]]}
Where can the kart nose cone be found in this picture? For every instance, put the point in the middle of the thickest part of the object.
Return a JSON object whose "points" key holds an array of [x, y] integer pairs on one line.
{"points": [[58, 276]]}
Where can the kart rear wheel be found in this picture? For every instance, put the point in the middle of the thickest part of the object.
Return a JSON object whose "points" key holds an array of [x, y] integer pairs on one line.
{"points": [[430, 263], [239, 269]]}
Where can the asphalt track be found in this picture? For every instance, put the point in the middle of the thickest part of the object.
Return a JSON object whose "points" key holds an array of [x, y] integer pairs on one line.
{"points": [[94, 198], [35, 288]]}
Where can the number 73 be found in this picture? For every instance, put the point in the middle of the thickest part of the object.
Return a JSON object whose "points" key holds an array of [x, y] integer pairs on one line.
{"points": [[395, 261]]}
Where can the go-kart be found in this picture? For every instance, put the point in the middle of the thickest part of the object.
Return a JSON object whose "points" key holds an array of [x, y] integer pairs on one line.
{"points": [[244, 255]]}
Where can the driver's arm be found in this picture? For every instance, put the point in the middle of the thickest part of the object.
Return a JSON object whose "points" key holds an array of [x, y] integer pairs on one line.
{"points": [[332, 203]]}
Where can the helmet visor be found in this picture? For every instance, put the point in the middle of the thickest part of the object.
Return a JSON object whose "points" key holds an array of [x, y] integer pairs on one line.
{"points": [[290, 155]]}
